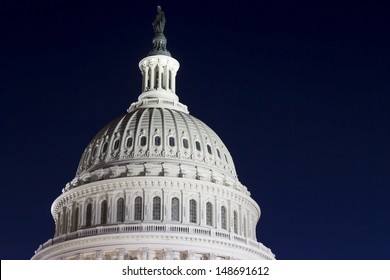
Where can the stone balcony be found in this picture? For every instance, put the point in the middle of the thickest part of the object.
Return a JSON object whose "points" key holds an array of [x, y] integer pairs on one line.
{"points": [[154, 228]]}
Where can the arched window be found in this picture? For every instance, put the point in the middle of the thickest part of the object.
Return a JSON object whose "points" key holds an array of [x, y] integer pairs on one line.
{"points": [[235, 222], [156, 77], [58, 224], [103, 212], [156, 208], [170, 79], [149, 86], [223, 217], [244, 229], [209, 214], [64, 220], [138, 208], [75, 219], [193, 211], [175, 209], [88, 215], [120, 210]]}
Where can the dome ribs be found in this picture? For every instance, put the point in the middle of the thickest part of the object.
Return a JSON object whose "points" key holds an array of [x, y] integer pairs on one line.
{"points": [[142, 126]]}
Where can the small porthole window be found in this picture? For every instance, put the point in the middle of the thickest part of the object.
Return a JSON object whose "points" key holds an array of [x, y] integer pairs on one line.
{"points": [[142, 141], [209, 149], [185, 143], [171, 141], [129, 142], [116, 144], [218, 153], [105, 147], [157, 140], [197, 146], [226, 159]]}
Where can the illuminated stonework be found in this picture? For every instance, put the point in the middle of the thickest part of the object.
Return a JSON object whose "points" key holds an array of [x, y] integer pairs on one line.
{"points": [[156, 183]]}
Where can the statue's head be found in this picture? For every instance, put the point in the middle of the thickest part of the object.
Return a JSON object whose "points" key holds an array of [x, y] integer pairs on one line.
{"points": [[158, 9]]}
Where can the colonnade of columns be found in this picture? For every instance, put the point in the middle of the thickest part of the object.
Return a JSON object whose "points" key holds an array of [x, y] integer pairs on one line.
{"points": [[159, 73]]}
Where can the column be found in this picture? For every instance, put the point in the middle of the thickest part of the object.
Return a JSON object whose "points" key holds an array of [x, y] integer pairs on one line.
{"points": [[159, 76], [152, 76], [173, 77], [166, 77], [144, 78]]}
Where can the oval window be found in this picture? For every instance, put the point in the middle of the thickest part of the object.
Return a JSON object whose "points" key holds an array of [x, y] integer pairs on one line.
{"points": [[157, 140], [143, 141], [185, 143], [116, 144], [197, 146], [171, 141], [209, 149]]}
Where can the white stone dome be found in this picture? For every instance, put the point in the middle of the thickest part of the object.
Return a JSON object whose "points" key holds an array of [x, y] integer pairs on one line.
{"points": [[155, 183], [171, 142]]}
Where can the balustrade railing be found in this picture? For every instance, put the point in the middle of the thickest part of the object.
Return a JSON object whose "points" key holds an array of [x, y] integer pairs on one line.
{"points": [[150, 227]]}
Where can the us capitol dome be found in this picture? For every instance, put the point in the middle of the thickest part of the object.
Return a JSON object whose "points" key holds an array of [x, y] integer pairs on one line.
{"points": [[155, 183]]}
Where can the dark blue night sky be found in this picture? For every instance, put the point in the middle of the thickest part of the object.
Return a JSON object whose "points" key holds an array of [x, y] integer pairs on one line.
{"points": [[298, 91]]}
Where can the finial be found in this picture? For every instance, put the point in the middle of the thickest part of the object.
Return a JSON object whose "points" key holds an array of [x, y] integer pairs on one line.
{"points": [[159, 40]]}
